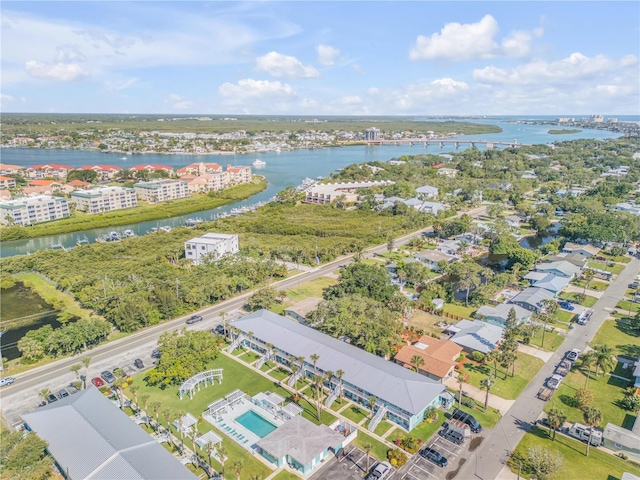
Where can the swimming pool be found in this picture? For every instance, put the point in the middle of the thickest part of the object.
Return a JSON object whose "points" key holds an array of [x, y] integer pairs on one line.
{"points": [[256, 423]]}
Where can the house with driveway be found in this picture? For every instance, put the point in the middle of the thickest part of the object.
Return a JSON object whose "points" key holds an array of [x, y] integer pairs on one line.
{"points": [[587, 251], [531, 298], [476, 335], [497, 315], [560, 269]]}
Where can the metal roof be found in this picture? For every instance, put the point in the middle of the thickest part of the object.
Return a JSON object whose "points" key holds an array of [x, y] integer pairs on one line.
{"points": [[91, 438], [388, 381], [477, 335]]}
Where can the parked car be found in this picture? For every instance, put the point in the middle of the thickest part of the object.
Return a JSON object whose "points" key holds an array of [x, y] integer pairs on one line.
{"points": [[6, 381], [52, 398], [194, 319], [63, 393], [433, 456], [554, 381], [467, 419], [108, 377], [219, 330], [381, 471], [155, 353], [452, 436], [633, 285], [563, 368], [567, 306], [97, 382], [138, 363], [573, 354]]}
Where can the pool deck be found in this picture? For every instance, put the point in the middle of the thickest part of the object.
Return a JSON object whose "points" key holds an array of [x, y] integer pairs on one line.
{"points": [[238, 433]]}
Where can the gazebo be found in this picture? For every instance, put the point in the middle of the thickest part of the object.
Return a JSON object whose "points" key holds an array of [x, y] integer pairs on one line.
{"points": [[208, 438], [189, 385]]}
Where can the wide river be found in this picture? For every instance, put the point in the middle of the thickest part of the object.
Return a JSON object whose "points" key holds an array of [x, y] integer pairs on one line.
{"points": [[281, 170]]}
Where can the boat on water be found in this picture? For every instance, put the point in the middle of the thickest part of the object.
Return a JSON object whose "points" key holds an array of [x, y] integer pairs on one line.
{"points": [[112, 237], [192, 222], [128, 233], [166, 228], [56, 246], [82, 240], [259, 163], [123, 158]]}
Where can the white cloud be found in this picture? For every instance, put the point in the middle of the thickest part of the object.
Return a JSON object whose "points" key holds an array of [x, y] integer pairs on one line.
{"points": [[63, 72], [178, 102], [250, 88], [574, 68], [284, 66], [449, 85], [373, 90], [351, 100], [68, 54], [327, 55], [4, 98], [472, 41]]}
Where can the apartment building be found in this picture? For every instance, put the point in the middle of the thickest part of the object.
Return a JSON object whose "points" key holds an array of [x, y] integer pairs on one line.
{"points": [[207, 182], [161, 190], [52, 170], [240, 174], [105, 199], [199, 169], [210, 246], [27, 211]]}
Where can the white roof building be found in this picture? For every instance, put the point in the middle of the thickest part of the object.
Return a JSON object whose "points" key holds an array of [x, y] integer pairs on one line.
{"points": [[210, 247]]}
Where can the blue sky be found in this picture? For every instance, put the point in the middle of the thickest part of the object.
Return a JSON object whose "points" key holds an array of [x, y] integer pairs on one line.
{"points": [[321, 58]]}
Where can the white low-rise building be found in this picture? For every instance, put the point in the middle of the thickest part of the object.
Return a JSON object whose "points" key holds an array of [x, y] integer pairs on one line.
{"points": [[105, 199], [210, 247], [161, 190], [27, 211]]}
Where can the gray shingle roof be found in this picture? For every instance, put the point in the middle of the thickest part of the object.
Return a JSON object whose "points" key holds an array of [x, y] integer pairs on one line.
{"points": [[477, 335], [532, 296], [91, 438], [386, 380]]}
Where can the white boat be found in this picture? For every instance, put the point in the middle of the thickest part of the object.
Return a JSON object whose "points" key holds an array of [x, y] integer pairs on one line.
{"points": [[128, 233], [113, 237], [166, 228], [123, 158], [259, 163], [82, 240]]}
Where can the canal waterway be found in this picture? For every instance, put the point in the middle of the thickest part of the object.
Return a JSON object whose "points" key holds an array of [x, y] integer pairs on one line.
{"points": [[282, 169]]}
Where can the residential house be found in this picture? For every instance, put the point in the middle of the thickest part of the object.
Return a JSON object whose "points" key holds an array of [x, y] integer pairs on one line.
{"points": [[7, 182], [514, 221], [104, 172], [432, 258], [36, 191], [210, 247], [326, 193], [497, 315], [448, 172], [427, 192], [207, 182], [551, 282], [5, 195], [74, 185], [587, 251], [52, 170], [439, 357], [561, 269], [50, 185], [450, 247], [531, 298], [623, 441], [476, 335], [402, 396], [573, 258], [628, 208], [161, 190], [432, 208], [299, 310]]}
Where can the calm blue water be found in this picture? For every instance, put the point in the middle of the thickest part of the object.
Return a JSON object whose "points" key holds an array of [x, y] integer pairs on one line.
{"points": [[282, 169], [256, 423]]}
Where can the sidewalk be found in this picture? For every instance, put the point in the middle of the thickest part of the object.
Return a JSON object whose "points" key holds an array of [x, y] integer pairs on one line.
{"points": [[535, 352], [592, 293], [479, 395]]}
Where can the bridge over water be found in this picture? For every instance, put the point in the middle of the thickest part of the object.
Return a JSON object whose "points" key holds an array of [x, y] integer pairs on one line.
{"points": [[457, 142]]}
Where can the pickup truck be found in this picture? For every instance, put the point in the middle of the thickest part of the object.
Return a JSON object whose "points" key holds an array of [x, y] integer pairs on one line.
{"points": [[545, 393]]}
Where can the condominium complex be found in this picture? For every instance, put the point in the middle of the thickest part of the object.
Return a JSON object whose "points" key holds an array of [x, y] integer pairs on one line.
{"points": [[27, 211], [240, 174], [372, 134], [98, 200], [210, 246], [207, 182], [161, 190]]}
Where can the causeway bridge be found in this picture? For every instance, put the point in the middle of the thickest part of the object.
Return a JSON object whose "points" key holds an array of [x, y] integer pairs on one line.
{"points": [[457, 142]]}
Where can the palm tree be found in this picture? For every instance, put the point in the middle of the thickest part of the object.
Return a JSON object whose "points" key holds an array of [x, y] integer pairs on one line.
{"points": [[592, 418], [134, 391], [44, 393], [75, 368], [237, 465], [223, 315], [417, 361], [301, 363], [314, 358], [486, 384], [222, 454], [328, 377], [317, 383], [144, 400], [556, 420], [340, 374], [372, 403], [180, 417], [119, 384], [168, 416], [603, 358], [294, 371], [85, 363], [460, 382], [155, 406], [495, 357], [588, 361], [587, 276], [367, 447], [269, 348]]}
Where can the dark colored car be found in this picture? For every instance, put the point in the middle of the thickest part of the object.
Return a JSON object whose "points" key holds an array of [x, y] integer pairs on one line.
{"points": [[63, 393], [633, 285], [138, 363], [567, 306], [433, 456], [155, 353], [97, 381], [108, 377], [194, 319], [52, 398], [452, 436], [467, 419]]}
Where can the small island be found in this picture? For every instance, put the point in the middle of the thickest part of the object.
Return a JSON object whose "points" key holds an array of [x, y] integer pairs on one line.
{"points": [[564, 131]]}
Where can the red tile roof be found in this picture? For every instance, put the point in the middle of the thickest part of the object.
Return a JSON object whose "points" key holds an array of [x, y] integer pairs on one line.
{"points": [[53, 166], [43, 183]]}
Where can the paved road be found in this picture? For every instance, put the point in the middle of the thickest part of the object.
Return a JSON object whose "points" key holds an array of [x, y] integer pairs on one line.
{"points": [[488, 460], [24, 392]]}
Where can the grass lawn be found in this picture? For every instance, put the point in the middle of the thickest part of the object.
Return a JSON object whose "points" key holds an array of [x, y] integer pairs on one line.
{"points": [[310, 413], [355, 413], [487, 419], [250, 357], [379, 449], [459, 310], [589, 300], [426, 321], [310, 289], [618, 335], [563, 316], [337, 405], [526, 367], [284, 475], [279, 373], [424, 431], [614, 258], [596, 285], [598, 465], [552, 340], [382, 428], [606, 391], [627, 306], [613, 268]]}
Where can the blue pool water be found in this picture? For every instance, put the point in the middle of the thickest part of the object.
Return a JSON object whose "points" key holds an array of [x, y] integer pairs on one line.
{"points": [[255, 423]]}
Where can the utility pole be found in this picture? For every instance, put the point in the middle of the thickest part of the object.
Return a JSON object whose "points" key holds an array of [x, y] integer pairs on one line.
{"points": [[1, 359]]}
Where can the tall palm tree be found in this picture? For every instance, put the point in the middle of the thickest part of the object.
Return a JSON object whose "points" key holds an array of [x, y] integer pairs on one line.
{"points": [[494, 356], [223, 315], [588, 360], [340, 374], [144, 400], [134, 392], [486, 384], [44, 393], [556, 420], [587, 276], [222, 454], [269, 349], [180, 417], [85, 363], [592, 418], [237, 464], [417, 361], [603, 358], [372, 400], [460, 380], [314, 358], [155, 406], [317, 383], [367, 446], [301, 363], [75, 368], [167, 414], [328, 377]]}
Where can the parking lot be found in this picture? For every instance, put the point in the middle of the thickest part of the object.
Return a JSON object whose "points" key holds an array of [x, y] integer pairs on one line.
{"points": [[419, 468], [351, 467]]}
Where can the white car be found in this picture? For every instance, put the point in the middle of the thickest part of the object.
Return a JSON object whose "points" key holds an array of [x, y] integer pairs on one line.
{"points": [[554, 382], [6, 381], [381, 471], [572, 355]]}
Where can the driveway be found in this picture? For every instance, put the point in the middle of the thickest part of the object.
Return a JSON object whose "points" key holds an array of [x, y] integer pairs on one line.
{"points": [[479, 395], [351, 467], [488, 460]]}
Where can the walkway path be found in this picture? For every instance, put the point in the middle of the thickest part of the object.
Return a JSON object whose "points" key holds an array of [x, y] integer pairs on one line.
{"points": [[479, 395], [535, 352], [489, 459], [592, 293]]}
